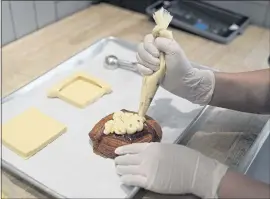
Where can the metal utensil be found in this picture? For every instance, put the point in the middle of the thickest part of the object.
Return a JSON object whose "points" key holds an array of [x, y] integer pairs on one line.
{"points": [[112, 62]]}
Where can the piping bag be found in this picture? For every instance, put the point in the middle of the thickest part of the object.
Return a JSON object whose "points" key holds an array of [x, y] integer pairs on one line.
{"points": [[151, 82]]}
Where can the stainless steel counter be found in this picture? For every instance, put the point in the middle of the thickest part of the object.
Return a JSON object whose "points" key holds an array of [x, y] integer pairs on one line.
{"points": [[232, 137], [239, 140], [259, 169]]}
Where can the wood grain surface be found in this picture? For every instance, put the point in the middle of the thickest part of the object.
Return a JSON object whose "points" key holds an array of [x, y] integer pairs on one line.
{"points": [[34, 54]]}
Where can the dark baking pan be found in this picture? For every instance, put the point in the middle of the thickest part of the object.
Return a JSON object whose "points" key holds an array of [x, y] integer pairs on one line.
{"points": [[203, 19]]}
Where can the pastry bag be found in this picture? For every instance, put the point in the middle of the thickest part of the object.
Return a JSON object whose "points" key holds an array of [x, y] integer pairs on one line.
{"points": [[151, 82]]}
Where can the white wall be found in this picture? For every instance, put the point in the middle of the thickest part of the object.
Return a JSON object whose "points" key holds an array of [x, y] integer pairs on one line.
{"points": [[23, 17]]}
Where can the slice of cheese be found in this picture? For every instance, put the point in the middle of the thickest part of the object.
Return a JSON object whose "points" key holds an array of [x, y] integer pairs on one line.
{"points": [[3, 196], [80, 89], [30, 131]]}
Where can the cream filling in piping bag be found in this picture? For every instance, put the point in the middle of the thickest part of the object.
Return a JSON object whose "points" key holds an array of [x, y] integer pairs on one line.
{"points": [[124, 123], [128, 123], [151, 82]]}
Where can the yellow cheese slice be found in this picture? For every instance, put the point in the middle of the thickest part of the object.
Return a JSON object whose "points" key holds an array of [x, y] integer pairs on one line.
{"points": [[80, 89], [3, 196], [30, 131]]}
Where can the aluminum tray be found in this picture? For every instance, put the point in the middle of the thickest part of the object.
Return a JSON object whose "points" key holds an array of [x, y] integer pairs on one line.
{"points": [[255, 149], [67, 168]]}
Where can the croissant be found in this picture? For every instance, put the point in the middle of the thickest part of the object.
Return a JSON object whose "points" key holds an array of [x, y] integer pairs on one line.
{"points": [[105, 145]]}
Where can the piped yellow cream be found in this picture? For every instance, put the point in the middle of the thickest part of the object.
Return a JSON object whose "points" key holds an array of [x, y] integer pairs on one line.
{"points": [[124, 123]]}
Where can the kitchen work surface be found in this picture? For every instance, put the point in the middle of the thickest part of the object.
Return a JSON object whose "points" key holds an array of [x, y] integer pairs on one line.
{"points": [[56, 43]]}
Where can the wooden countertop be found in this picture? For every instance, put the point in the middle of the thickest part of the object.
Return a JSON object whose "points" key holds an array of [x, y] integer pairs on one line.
{"points": [[31, 56], [36, 53]]}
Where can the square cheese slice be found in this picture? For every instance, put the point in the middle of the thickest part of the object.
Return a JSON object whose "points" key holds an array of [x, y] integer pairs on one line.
{"points": [[80, 89], [30, 131], [3, 196]]}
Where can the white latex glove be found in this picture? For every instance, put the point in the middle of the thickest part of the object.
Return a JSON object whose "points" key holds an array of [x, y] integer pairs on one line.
{"points": [[169, 169], [181, 77]]}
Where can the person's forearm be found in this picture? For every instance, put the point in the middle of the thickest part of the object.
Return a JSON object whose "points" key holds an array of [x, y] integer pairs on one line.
{"points": [[236, 185], [247, 91]]}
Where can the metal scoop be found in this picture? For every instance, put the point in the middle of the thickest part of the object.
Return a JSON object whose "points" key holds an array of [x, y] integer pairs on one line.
{"points": [[112, 62]]}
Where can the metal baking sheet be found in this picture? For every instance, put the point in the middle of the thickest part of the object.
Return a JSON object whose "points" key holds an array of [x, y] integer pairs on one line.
{"points": [[231, 137], [254, 150], [67, 168]]}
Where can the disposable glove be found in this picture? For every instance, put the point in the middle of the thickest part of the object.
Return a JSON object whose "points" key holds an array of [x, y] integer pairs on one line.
{"points": [[169, 169], [181, 77]]}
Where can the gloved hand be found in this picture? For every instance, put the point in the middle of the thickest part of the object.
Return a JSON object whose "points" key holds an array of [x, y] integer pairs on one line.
{"points": [[181, 77], [169, 169]]}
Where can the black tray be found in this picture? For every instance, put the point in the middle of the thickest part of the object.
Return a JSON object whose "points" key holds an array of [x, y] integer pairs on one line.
{"points": [[203, 19]]}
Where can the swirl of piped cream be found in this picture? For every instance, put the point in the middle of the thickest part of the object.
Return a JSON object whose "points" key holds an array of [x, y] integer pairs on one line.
{"points": [[124, 123]]}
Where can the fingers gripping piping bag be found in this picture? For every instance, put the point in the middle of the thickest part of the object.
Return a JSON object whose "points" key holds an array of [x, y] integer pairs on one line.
{"points": [[151, 82]]}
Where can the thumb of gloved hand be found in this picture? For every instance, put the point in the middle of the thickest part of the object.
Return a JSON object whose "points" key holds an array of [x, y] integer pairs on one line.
{"points": [[149, 52], [181, 78], [177, 63]]}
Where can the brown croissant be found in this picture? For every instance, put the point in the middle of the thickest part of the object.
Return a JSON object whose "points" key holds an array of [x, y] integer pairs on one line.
{"points": [[105, 145]]}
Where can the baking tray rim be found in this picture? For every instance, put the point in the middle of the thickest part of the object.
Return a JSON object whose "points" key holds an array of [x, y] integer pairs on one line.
{"points": [[252, 153]]}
